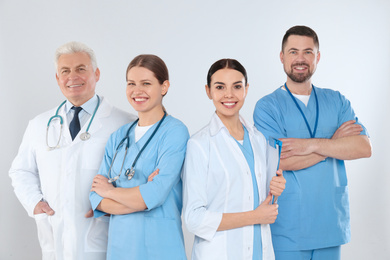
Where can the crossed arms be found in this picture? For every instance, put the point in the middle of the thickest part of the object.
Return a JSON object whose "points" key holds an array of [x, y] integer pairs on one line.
{"points": [[345, 144]]}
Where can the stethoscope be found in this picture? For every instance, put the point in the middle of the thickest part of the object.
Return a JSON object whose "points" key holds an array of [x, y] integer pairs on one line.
{"points": [[84, 136], [312, 133], [130, 172]]}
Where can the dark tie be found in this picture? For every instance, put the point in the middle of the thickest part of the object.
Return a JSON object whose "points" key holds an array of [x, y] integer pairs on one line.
{"points": [[74, 126]]}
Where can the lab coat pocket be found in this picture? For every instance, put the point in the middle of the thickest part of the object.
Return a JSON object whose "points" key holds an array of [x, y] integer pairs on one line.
{"points": [[45, 232], [97, 233], [214, 249], [164, 238]]}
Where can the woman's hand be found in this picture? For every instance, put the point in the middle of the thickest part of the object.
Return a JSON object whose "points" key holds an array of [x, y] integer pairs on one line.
{"points": [[266, 213], [152, 175], [101, 186], [277, 185]]}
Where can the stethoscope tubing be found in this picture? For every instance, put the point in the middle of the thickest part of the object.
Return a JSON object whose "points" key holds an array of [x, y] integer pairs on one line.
{"points": [[84, 137], [130, 173]]}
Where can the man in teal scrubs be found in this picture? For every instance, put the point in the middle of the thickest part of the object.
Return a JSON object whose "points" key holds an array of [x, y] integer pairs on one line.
{"points": [[319, 130]]}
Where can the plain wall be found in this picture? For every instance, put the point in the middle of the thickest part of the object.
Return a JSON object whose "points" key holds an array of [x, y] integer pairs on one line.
{"points": [[190, 36]]}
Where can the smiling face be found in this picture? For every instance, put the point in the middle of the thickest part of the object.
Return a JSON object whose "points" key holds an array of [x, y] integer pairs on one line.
{"points": [[228, 90], [300, 57], [144, 92], [76, 77]]}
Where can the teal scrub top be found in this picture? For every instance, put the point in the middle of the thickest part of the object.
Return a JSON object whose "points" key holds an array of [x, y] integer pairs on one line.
{"points": [[246, 149], [155, 233], [314, 207]]}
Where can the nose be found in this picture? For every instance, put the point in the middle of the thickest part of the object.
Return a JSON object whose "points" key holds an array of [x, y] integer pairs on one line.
{"points": [[136, 89], [73, 75], [300, 56], [228, 93]]}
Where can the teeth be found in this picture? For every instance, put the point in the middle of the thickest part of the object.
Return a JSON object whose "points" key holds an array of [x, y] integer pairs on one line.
{"points": [[139, 99], [228, 104], [74, 86]]}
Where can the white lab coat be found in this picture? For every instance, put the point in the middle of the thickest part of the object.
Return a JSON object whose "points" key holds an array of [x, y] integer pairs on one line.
{"points": [[216, 180], [63, 178]]}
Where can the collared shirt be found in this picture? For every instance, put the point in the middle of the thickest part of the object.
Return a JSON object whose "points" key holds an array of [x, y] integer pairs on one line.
{"points": [[217, 179], [85, 114]]}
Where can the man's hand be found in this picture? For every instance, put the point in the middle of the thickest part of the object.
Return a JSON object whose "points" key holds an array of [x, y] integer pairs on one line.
{"points": [[43, 207], [295, 146], [348, 128]]}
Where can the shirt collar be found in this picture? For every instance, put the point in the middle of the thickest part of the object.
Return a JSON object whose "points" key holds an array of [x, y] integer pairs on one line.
{"points": [[216, 125], [88, 106]]}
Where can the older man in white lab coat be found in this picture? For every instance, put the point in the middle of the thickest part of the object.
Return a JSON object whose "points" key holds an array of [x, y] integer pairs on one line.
{"points": [[53, 183]]}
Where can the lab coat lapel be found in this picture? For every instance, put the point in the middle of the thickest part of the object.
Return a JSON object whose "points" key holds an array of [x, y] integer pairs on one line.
{"points": [[103, 111], [66, 138], [216, 126]]}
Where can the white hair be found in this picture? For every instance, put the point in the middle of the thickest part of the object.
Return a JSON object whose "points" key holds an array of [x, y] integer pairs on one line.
{"points": [[73, 47]]}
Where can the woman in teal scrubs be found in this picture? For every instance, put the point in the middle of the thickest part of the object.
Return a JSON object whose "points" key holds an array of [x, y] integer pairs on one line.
{"points": [[226, 179], [145, 220]]}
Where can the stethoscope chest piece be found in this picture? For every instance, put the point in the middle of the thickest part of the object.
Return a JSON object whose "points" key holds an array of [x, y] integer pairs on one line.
{"points": [[85, 136], [130, 173]]}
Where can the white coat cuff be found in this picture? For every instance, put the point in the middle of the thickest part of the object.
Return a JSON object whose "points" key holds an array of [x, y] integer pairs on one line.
{"points": [[209, 225], [34, 201]]}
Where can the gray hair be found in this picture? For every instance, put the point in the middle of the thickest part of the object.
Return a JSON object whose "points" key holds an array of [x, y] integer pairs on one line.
{"points": [[73, 47]]}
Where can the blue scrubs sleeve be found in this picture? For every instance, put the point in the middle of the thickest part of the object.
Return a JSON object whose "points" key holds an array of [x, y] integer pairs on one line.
{"points": [[347, 113], [94, 198], [266, 119], [171, 153]]}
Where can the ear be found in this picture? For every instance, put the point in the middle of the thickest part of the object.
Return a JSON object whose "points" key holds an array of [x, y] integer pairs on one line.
{"points": [[281, 56], [318, 56], [208, 91], [246, 89], [165, 87], [97, 74], [57, 78]]}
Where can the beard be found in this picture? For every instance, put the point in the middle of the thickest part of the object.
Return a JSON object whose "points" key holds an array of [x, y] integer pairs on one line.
{"points": [[299, 77]]}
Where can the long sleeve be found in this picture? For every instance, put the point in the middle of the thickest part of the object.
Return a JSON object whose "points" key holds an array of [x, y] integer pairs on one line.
{"points": [[198, 219], [24, 173]]}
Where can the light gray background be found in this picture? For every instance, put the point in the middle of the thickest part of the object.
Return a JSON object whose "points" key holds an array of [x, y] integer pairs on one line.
{"points": [[190, 36]]}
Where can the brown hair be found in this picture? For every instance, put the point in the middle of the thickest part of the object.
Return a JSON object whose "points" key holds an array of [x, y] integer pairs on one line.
{"points": [[153, 63], [301, 30]]}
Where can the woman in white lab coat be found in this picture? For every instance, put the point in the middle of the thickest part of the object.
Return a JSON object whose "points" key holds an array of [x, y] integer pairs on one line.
{"points": [[226, 203]]}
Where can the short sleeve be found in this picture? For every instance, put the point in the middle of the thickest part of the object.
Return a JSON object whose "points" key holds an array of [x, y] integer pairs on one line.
{"points": [[266, 119], [347, 113], [171, 153]]}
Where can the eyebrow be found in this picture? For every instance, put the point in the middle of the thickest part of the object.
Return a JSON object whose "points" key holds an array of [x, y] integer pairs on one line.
{"points": [[142, 80], [219, 83], [78, 66], [295, 49]]}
